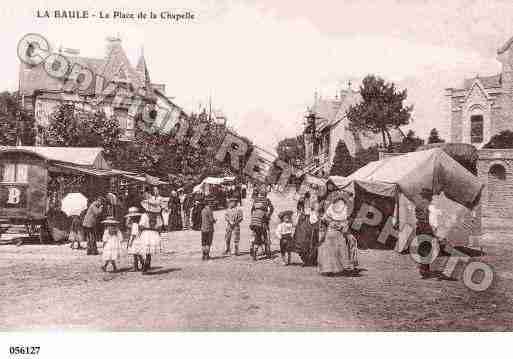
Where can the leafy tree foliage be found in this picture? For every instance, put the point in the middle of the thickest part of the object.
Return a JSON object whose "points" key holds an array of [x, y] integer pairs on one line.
{"points": [[410, 143], [434, 137], [70, 127], [15, 122], [366, 156], [342, 162], [292, 150], [161, 155], [501, 140], [381, 109]]}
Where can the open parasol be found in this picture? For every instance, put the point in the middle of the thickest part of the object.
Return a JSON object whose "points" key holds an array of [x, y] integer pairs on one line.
{"points": [[74, 203]]}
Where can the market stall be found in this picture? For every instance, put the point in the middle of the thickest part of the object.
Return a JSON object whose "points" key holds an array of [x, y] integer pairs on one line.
{"points": [[393, 187], [35, 180]]}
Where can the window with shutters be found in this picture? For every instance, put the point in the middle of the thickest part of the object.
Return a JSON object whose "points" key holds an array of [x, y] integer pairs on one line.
{"points": [[15, 173]]}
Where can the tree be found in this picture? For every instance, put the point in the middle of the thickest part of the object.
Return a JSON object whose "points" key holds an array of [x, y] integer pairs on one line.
{"points": [[161, 155], [70, 127], [503, 139], [291, 150], [15, 122], [411, 142], [380, 110], [434, 137], [342, 162], [365, 156]]}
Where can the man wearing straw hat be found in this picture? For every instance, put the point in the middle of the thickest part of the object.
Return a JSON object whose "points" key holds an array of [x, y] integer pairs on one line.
{"points": [[233, 217]]}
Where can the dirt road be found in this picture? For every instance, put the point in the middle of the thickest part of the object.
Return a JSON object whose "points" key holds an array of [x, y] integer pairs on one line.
{"points": [[53, 287]]}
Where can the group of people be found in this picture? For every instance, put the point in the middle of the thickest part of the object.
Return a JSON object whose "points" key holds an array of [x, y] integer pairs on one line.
{"points": [[321, 234]]}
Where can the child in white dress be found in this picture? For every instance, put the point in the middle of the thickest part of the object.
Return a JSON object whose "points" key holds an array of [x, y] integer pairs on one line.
{"points": [[112, 238], [135, 246]]}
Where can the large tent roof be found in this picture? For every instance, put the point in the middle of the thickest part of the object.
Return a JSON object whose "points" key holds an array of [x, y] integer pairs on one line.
{"points": [[411, 172]]}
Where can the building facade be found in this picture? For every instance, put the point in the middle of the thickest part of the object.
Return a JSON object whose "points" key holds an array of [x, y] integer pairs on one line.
{"points": [[326, 124], [483, 107], [43, 94]]}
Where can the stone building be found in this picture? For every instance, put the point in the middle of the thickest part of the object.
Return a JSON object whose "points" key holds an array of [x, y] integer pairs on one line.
{"points": [[483, 107], [326, 124], [43, 94], [495, 169]]}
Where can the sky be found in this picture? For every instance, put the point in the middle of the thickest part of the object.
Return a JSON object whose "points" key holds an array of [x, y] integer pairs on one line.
{"points": [[262, 61]]}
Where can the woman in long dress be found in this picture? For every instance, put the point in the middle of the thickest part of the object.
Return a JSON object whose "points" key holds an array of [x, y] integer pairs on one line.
{"points": [[336, 254], [175, 213], [306, 234], [150, 226]]}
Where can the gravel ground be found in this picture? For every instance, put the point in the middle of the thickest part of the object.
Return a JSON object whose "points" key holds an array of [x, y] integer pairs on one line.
{"points": [[53, 287]]}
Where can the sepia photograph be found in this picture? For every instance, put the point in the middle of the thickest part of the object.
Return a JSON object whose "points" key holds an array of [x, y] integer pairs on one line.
{"points": [[255, 166]]}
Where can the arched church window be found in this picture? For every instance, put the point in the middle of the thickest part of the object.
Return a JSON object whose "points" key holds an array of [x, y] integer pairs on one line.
{"points": [[476, 129], [497, 171]]}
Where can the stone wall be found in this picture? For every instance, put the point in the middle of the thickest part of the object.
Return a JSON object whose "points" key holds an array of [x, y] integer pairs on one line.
{"points": [[495, 170]]}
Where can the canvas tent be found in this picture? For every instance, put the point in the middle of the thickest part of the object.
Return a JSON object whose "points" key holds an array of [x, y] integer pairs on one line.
{"points": [[393, 186], [208, 182]]}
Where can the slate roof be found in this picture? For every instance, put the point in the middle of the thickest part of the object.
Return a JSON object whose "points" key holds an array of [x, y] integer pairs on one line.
{"points": [[487, 81], [34, 78]]}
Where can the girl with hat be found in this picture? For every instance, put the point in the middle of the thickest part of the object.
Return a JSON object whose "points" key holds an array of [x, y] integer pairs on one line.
{"points": [[150, 225], [112, 239], [334, 252], [135, 247]]}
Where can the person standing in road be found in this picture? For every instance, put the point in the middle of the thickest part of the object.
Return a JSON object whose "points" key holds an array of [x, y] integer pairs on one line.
{"points": [[187, 206], [111, 239], [90, 222], [424, 228], [150, 225], [175, 212], [233, 217], [207, 230]]}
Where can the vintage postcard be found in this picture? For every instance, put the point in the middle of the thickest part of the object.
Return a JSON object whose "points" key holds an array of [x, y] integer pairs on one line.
{"points": [[241, 166]]}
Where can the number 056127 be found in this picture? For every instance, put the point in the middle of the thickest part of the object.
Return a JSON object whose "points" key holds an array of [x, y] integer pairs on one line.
{"points": [[24, 350]]}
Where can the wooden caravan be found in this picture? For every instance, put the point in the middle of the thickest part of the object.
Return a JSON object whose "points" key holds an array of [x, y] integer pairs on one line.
{"points": [[33, 180], [23, 186]]}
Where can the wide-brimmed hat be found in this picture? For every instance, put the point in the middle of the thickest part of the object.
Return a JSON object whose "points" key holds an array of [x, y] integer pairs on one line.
{"points": [[426, 193], [287, 213], [151, 205], [110, 221], [133, 212], [341, 195]]}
